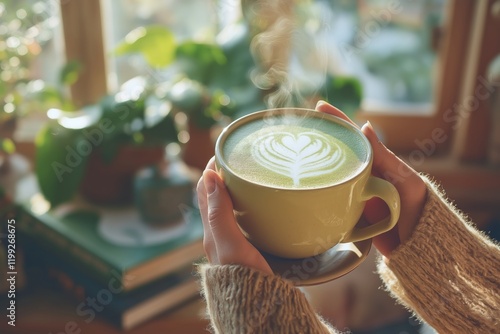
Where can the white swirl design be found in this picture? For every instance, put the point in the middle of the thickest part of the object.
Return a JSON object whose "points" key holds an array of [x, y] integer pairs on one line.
{"points": [[307, 154]]}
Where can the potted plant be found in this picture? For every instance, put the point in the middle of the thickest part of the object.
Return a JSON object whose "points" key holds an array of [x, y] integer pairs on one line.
{"points": [[78, 151], [211, 81], [98, 149], [207, 81]]}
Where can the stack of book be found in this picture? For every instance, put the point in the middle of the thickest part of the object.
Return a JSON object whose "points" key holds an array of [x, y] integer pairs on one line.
{"points": [[119, 267]]}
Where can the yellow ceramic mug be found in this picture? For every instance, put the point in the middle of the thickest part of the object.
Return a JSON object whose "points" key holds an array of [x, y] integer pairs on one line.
{"points": [[299, 180]]}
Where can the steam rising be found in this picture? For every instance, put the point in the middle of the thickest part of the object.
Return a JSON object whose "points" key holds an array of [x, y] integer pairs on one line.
{"points": [[292, 59]]}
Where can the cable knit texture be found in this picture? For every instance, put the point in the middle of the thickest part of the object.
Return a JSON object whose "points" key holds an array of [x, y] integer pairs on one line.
{"points": [[448, 273], [243, 300]]}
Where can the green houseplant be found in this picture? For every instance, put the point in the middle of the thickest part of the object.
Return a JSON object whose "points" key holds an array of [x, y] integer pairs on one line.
{"points": [[80, 150], [208, 80], [75, 142]]}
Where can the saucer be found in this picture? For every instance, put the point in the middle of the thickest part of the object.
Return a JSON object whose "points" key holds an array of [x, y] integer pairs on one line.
{"points": [[334, 263]]}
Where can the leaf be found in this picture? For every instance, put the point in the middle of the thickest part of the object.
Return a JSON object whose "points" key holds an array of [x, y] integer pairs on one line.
{"points": [[235, 44], [7, 145], [84, 118], [187, 95], [70, 73], [161, 133], [60, 162], [121, 114], [49, 96], [110, 150], [159, 125], [199, 60], [345, 92], [201, 52], [157, 44]]}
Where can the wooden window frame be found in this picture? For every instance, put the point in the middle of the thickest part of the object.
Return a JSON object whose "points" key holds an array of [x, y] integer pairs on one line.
{"points": [[83, 36], [84, 41], [448, 147], [462, 132], [458, 163], [468, 28]]}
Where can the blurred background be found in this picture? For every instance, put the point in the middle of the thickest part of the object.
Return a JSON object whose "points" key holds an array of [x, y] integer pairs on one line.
{"points": [[114, 106]]}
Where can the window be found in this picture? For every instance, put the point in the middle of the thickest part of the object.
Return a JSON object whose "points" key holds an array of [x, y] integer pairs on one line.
{"points": [[193, 19], [437, 77], [390, 46], [31, 53], [466, 48]]}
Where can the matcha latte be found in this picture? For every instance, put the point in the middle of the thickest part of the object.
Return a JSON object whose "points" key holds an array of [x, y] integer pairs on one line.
{"points": [[297, 177], [293, 152]]}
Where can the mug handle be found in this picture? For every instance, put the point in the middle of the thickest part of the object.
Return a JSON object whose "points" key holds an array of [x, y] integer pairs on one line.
{"points": [[377, 187]]}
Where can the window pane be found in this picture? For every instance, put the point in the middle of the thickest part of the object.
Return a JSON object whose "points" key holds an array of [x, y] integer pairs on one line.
{"points": [[187, 19], [390, 45], [31, 54]]}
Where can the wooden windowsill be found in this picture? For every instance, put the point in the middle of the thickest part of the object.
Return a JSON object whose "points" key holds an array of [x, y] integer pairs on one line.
{"points": [[473, 188]]}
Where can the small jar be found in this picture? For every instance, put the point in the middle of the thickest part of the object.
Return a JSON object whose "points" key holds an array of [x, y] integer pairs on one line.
{"points": [[163, 194]]}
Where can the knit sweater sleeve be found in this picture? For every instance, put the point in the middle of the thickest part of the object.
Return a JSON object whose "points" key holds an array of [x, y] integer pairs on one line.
{"points": [[448, 272], [243, 300]]}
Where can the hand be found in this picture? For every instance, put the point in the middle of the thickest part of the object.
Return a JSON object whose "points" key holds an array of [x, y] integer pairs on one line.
{"points": [[223, 241], [411, 188], [225, 244]]}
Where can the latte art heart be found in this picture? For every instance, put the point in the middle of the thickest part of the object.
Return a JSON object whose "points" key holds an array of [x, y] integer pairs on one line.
{"points": [[297, 156]]}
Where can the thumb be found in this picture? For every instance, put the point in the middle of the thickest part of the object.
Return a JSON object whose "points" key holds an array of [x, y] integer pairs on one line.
{"points": [[220, 210], [385, 163]]}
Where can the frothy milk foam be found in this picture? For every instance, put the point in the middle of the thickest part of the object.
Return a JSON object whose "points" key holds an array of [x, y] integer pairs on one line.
{"points": [[289, 151]]}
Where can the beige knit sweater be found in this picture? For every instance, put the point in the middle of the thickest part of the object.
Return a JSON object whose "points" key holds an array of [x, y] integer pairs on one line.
{"points": [[448, 273]]}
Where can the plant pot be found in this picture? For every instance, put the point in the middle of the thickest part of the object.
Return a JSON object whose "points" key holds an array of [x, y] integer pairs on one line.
{"points": [[112, 183], [199, 148]]}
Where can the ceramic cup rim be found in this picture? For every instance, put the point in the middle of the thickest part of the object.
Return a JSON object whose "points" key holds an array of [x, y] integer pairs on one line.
{"points": [[220, 158]]}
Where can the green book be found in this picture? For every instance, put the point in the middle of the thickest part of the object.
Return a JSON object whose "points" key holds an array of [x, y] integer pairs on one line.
{"points": [[115, 243]]}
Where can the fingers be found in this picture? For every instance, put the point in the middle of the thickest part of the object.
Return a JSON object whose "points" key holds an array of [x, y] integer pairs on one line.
{"points": [[411, 189], [329, 109], [385, 163], [375, 211], [225, 231], [224, 242], [208, 240], [211, 164]]}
